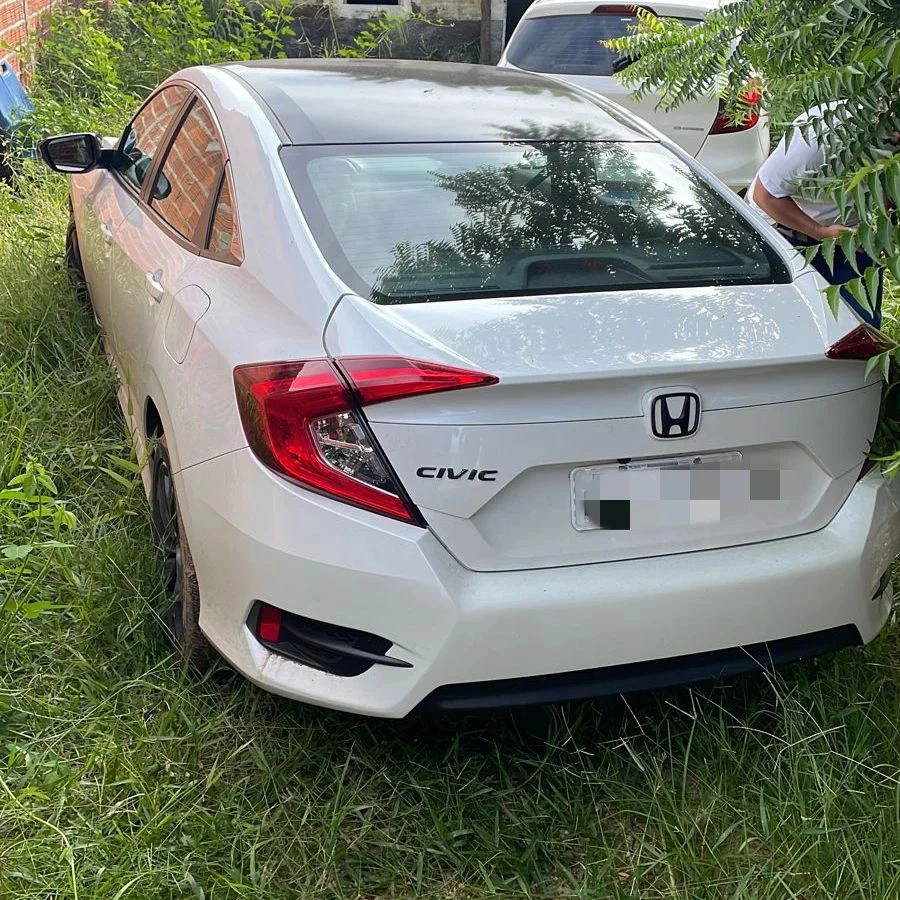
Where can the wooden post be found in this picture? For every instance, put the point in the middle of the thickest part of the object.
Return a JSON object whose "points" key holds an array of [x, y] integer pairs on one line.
{"points": [[485, 56]]}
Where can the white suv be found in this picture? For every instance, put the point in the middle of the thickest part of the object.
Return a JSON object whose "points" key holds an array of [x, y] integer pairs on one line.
{"points": [[562, 38]]}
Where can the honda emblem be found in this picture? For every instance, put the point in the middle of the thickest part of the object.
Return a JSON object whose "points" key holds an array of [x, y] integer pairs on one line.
{"points": [[675, 415]]}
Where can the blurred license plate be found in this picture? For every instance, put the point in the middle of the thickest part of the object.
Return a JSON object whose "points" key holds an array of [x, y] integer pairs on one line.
{"points": [[659, 493]]}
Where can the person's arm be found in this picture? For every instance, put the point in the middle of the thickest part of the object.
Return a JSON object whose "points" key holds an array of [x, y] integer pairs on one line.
{"points": [[786, 213]]}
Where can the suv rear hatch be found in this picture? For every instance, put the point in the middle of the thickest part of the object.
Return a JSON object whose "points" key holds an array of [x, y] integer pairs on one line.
{"points": [[564, 40], [780, 442]]}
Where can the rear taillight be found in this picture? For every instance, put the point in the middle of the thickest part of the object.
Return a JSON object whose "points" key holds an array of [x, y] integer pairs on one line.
{"points": [[620, 9], [303, 420], [722, 125], [862, 343]]}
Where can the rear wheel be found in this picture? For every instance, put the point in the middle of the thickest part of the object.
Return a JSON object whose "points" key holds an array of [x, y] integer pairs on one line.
{"points": [[177, 565]]}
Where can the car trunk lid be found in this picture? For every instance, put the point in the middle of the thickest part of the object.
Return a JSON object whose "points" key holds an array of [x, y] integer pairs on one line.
{"points": [[507, 476]]}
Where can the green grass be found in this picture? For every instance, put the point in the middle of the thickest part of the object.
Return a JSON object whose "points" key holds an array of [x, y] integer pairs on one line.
{"points": [[123, 777]]}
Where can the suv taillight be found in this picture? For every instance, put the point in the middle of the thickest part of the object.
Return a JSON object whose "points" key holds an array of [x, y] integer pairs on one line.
{"points": [[862, 343], [303, 420], [721, 124], [620, 9]]}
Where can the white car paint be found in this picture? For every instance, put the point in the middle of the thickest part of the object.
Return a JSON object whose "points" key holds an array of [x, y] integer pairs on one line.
{"points": [[499, 585], [733, 157]]}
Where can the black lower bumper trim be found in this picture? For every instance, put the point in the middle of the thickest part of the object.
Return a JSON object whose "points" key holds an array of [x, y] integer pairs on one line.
{"points": [[330, 648], [632, 678]]}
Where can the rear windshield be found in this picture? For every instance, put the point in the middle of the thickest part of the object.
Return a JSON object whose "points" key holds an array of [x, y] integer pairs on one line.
{"points": [[570, 45], [404, 224]]}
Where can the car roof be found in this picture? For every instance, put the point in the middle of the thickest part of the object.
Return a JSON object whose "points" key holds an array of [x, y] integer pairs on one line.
{"points": [[687, 8], [354, 101]]}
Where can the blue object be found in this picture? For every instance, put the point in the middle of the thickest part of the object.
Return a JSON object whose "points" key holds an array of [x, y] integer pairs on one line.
{"points": [[843, 272], [14, 102]]}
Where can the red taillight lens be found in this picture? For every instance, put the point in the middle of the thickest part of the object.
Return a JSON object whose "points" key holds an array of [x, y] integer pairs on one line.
{"points": [[377, 379], [861, 343], [620, 9], [721, 124], [302, 422], [268, 624]]}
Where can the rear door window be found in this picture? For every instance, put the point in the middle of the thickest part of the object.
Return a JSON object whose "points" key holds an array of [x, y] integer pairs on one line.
{"points": [[190, 175], [570, 45], [142, 139]]}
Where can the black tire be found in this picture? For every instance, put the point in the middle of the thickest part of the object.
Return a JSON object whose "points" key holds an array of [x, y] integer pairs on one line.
{"points": [[74, 266], [183, 620]]}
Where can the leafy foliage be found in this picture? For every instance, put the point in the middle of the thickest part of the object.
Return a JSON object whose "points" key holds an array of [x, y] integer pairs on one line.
{"points": [[95, 63], [840, 55], [377, 38]]}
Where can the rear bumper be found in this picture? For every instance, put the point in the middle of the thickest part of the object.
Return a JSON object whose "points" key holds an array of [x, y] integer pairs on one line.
{"points": [[264, 539], [641, 676]]}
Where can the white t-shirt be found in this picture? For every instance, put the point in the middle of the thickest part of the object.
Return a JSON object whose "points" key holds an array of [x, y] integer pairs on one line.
{"points": [[787, 164]]}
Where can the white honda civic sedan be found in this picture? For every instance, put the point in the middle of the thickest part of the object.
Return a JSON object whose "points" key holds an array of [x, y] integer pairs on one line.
{"points": [[563, 38], [459, 388]]}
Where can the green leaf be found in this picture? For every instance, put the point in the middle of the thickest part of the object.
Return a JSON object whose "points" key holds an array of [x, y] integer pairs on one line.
{"points": [[38, 607], [893, 264], [16, 551], [873, 278], [874, 363], [129, 465], [858, 177], [857, 289], [877, 191], [833, 296], [827, 253], [866, 236], [884, 240], [892, 179], [117, 477], [847, 241]]}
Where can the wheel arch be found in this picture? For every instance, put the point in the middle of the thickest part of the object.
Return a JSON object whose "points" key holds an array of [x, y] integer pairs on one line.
{"points": [[153, 424]]}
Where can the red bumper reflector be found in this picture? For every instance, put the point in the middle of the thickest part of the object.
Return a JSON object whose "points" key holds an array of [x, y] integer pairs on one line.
{"points": [[268, 625]]}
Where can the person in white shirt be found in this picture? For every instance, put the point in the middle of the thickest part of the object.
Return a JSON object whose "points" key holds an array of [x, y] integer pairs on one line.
{"points": [[806, 222]]}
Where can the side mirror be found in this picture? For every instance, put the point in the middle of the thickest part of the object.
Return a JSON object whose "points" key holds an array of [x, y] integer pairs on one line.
{"points": [[71, 154]]}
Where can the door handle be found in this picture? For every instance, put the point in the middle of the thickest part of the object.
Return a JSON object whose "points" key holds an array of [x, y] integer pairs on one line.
{"points": [[154, 285], [106, 231]]}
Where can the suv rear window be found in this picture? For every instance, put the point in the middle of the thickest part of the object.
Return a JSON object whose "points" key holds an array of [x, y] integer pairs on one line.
{"points": [[570, 45], [442, 222]]}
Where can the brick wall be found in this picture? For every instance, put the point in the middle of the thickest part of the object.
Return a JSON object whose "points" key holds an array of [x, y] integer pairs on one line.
{"points": [[18, 19]]}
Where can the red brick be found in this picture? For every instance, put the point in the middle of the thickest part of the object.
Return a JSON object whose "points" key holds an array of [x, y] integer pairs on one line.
{"points": [[14, 14]]}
